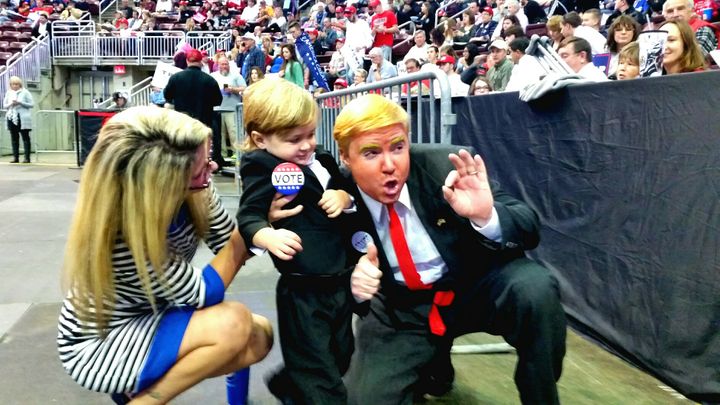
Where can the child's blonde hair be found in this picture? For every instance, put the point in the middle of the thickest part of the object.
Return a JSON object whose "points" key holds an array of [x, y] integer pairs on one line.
{"points": [[274, 106]]}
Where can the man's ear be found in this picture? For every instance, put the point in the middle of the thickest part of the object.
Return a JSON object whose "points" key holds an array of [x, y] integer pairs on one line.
{"points": [[258, 139], [343, 158]]}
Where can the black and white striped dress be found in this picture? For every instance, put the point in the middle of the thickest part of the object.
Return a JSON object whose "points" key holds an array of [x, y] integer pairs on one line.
{"points": [[114, 363]]}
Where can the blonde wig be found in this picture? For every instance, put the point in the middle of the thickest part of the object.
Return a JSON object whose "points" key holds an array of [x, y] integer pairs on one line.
{"points": [[367, 113], [134, 182]]}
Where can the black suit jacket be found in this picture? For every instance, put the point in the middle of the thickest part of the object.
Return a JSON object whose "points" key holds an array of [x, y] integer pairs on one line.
{"points": [[326, 241], [468, 254], [194, 93]]}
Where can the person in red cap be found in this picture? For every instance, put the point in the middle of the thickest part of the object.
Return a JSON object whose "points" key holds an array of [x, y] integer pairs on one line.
{"points": [[446, 63], [384, 27], [486, 27], [358, 37], [317, 46], [338, 67], [340, 84], [195, 92]]}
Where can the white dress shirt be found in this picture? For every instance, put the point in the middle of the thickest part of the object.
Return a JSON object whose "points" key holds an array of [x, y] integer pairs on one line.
{"points": [[428, 262]]}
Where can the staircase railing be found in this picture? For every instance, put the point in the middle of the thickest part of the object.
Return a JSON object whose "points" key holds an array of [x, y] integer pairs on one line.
{"points": [[139, 94], [28, 63]]}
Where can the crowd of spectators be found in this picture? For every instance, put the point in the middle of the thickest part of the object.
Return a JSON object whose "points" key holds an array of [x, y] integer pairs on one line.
{"points": [[471, 39], [479, 45]]}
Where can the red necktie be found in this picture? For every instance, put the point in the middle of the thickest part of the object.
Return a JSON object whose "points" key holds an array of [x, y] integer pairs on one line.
{"points": [[405, 260], [411, 276]]}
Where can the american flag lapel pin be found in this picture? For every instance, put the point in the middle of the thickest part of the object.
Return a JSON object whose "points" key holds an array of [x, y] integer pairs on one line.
{"points": [[441, 222]]}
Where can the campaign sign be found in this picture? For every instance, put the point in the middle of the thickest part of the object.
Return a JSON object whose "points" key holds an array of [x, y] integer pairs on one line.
{"points": [[287, 178]]}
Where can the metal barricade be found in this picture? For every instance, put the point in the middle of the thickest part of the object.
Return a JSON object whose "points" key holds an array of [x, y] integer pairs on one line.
{"points": [[117, 50], [424, 95], [240, 125], [57, 132], [73, 40], [209, 41], [160, 46]]}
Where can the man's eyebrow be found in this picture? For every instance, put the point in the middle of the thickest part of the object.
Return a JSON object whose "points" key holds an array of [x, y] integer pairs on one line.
{"points": [[397, 140], [369, 146]]}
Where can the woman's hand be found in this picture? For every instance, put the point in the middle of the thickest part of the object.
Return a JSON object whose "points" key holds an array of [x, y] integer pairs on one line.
{"points": [[277, 212]]}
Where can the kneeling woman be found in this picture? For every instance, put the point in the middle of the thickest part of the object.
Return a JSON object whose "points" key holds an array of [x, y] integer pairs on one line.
{"points": [[139, 319]]}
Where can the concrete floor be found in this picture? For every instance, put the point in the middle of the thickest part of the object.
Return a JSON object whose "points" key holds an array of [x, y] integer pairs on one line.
{"points": [[36, 203]]}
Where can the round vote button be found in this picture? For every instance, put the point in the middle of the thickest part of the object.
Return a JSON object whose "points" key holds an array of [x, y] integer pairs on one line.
{"points": [[287, 178]]}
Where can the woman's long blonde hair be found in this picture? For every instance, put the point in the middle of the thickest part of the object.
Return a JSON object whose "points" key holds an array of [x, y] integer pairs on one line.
{"points": [[134, 182]]}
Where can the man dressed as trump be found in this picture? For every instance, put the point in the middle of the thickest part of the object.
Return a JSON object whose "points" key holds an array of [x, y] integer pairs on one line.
{"points": [[445, 256]]}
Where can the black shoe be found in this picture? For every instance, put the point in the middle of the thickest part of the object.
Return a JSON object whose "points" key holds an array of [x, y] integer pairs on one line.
{"points": [[16, 160], [120, 398], [438, 376], [281, 387], [26, 161]]}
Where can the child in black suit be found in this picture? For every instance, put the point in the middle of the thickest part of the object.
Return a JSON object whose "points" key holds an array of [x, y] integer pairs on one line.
{"points": [[313, 297]]}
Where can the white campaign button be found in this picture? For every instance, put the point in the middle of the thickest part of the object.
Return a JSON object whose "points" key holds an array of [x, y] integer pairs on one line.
{"points": [[360, 241], [287, 178]]}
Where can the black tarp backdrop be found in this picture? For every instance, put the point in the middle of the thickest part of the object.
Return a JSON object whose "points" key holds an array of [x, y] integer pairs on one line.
{"points": [[89, 123], [91, 120], [626, 179]]}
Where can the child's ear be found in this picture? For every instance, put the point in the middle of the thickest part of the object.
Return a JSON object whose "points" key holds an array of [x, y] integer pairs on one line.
{"points": [[258, 139]]}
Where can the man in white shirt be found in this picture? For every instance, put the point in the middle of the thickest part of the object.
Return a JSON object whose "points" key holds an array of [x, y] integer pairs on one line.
{"points": [[572, 27], [443, 258], [576, 53], [527, 69], [358, 36], [419, 50], [231, 85], [446, 63]]}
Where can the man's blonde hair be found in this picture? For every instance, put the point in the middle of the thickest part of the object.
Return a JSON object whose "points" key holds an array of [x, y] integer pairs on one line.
{"points": [[367, 113], [275, 106]]}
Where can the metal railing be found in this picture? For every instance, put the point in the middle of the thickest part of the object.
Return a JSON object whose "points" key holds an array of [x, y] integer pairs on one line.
{"points": [[78, 42], [209, 41], [54, 130], [139, 94], [441, 8], [56, 134], [410, 35], [106, 7], [28, 63], [416, 92]]}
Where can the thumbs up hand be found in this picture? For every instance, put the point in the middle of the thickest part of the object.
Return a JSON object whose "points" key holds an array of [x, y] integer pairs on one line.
{"points": [[365, 278]]}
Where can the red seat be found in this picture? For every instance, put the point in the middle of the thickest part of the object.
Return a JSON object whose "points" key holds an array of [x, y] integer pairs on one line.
{"points": [[16, 46], [539, 29], [166, 19], [10, 25], [4, 44], [4, 56], [165, 26], [179, 27], [25, 36], [26, 27], [9, 36]]}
